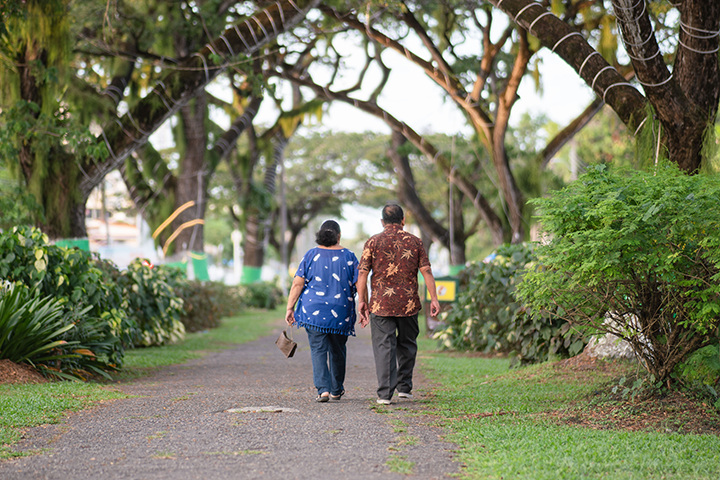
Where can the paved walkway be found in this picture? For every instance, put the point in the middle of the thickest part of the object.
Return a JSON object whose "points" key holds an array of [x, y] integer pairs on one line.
{"points": [[177, 425]]}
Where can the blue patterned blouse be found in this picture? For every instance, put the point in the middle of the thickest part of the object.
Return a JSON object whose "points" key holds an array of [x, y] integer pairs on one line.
{"points": [[327, 302]]}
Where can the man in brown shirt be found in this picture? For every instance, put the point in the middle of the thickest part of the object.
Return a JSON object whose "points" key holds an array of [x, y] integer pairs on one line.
{"points": [[394, 257]]}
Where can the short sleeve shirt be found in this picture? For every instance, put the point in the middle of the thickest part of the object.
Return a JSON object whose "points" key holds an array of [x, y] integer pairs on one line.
{"points": [[394, 257], [327, 302]]}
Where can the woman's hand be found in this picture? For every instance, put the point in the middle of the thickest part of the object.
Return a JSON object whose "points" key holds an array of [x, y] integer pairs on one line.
{"points": [[290, 316]]}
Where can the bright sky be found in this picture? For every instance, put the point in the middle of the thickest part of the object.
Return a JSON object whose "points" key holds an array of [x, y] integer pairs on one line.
{"points": [[418, 101]]}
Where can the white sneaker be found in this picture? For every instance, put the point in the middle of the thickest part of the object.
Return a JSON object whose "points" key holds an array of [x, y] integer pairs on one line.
{"points": [[407, 396], [382, 401]]}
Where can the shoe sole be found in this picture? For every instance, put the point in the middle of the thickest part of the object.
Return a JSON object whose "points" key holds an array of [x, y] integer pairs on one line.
{"points": [[321, 399], [380, 401], [406, 396]]}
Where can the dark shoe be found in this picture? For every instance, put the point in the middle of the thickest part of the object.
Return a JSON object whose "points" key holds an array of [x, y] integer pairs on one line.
{"points": [[322, 398], [337, 397]]}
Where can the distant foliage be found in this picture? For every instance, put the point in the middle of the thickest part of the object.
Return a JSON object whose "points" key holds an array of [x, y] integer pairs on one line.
{"points": [[204, 303], [488, 317], [265, 295], [635, 254]]}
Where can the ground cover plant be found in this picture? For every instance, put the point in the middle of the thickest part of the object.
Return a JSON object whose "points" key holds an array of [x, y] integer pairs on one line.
{"points": [[42, 332], [561, 420], [635, 254], [23, 406]]}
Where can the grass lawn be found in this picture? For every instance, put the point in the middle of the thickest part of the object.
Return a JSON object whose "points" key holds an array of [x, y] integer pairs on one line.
{"points": [[246, 327], [23, 406], [532, 423]]}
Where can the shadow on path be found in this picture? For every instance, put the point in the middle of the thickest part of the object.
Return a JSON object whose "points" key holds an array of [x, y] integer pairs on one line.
{"points": [[177, 425]]}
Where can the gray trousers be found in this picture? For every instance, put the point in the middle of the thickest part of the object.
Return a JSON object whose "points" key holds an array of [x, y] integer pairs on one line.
{"points": [[394, 341]]}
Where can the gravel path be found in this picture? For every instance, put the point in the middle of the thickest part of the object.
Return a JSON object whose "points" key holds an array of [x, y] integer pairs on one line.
{"points": [[177, 425]]}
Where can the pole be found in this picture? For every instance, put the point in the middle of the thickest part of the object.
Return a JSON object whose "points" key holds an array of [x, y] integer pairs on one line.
{"points": [[283, 231]]}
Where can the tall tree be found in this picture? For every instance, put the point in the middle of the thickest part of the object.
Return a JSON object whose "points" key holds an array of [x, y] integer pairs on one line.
{"points": [[680, 81], [77, 164]]}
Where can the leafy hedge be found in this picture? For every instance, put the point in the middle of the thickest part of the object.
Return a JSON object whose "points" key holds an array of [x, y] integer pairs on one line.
{"points": [[204, 303], [152, 303], [261, 295], [107, 310], [72, 278], [488, 317]]}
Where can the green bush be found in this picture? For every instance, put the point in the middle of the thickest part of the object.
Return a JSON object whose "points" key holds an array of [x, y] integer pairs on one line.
{"points": [[265, 295], [635, 254], [487, 316], [72, 277], [152, 303], [700, 372], [48, 334], [205, 303]]}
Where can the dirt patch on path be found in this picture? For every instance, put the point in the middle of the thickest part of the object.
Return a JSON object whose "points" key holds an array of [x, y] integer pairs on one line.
{"points": [[177, 425]]}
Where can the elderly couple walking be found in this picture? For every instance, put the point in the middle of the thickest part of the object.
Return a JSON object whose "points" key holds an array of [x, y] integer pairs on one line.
{"points": [[322, 299]]}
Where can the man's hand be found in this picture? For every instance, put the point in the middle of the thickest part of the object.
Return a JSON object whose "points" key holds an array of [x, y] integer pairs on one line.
{"points": [[434, 308], [290, 317], [364, 314]]}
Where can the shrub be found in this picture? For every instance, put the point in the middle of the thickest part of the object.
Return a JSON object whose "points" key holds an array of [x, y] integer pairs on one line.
{"points": [[261, 295], [72, 277], [205, 303], [152, 303], [47, 333], [487, 316], [640, 249], [700, 372]]}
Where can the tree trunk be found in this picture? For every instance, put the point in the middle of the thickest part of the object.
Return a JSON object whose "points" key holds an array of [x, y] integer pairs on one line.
{"points": [[192, 182], [253, 249], [456, 229]]}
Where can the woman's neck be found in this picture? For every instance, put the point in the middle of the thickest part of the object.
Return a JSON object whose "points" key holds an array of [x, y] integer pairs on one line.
{"points": [[333, 247]]}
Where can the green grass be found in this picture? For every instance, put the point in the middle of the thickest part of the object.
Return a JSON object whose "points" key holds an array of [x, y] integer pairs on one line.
{"points": [[23, 406], [518, 443], [399, 464], [245, 327]]}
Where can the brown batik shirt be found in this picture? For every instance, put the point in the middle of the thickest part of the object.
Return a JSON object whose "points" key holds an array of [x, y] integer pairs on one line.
{"points": [[394, 257]]}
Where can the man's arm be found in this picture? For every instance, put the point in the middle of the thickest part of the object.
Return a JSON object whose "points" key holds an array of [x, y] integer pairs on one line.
{"points": [[363, 298], [432, 289], [295, 289]]}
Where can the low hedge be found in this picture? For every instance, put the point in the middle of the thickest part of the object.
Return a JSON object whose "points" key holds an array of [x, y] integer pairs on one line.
{"points": [[487, 316]]}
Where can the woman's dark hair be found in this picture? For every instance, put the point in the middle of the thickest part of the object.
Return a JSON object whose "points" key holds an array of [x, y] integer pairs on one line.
{"points": [[329, 234]]}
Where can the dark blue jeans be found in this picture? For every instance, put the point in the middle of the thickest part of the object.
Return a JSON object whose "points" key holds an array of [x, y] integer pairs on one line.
{"points": [[329, 354]]}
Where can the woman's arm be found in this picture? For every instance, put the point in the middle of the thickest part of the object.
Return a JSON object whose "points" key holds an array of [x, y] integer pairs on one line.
{"points": [[297, 286]]}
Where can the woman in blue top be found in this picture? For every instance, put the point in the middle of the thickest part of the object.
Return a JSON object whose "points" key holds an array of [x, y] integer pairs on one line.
{"points": [[324, 290]]}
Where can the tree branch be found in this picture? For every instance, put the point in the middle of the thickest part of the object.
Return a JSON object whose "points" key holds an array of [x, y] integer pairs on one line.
{"points": [[179, 86], [478, 200]]}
